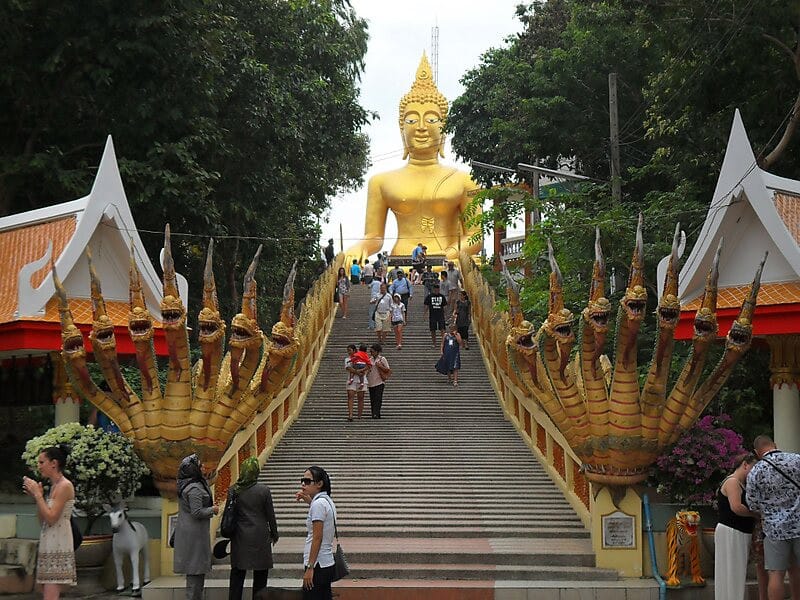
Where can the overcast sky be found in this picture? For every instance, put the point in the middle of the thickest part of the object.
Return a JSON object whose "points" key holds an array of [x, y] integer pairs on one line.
{"points": [[399, 32]]}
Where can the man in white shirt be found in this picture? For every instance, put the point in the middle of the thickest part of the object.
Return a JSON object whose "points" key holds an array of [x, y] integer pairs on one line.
{"points": [[382, 302]]}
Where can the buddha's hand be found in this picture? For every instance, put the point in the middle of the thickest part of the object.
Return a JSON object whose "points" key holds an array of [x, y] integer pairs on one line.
{"points": [[359, 252]]}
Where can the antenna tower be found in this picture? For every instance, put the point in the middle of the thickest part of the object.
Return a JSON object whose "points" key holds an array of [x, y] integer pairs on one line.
{"points": [[435, 53]]}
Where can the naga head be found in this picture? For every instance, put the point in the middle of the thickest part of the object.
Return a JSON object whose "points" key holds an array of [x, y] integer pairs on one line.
{"points": [[597, 312], [559, 322], [741, 332], [71, 336], [140, 322], [283, 340], [705, 321], [634, 302], [245, 332], [172, 309], [211, 325], [522, 338], [669, 307], [102, 334]]}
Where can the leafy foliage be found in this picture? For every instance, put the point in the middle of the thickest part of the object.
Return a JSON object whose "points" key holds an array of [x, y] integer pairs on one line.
{"points": [[683, 68], [102, 466], [236, 120]]}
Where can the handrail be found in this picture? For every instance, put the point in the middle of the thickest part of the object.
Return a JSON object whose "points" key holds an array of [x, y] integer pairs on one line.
{"points": [[267, 428], [648, 527], [534, 426]]}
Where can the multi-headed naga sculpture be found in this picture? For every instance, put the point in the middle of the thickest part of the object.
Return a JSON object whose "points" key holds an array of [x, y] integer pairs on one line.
{"points": [[616, 429], [200, 409]]}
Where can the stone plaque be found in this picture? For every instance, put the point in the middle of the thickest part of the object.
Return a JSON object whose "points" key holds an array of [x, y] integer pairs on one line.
{"points": [[619, 530]]}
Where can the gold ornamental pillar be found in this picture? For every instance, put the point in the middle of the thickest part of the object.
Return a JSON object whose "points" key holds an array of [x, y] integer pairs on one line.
{"points": [[66, 401], [784, 377]]}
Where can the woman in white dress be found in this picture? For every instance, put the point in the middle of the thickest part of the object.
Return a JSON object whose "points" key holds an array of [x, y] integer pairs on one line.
{"points": [[55, 565]]}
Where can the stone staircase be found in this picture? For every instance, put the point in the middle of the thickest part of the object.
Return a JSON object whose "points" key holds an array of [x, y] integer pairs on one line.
{"points": [[441, 487], [439, 498]]}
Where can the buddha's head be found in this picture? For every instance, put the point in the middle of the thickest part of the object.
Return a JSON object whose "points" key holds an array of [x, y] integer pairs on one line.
{"points": [[423, 111]]}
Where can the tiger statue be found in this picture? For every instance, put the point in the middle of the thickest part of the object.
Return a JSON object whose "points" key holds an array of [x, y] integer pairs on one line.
{"points": [[682, 543]]}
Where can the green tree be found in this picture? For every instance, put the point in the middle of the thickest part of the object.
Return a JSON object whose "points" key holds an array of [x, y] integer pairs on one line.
{"points": [[235, 120]]}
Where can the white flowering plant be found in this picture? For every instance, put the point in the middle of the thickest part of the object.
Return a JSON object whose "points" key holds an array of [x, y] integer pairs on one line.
{"points": [[102, 466]]}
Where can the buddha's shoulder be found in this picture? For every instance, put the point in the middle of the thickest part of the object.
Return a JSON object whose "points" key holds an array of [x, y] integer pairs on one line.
{"points": [[409, 173]]}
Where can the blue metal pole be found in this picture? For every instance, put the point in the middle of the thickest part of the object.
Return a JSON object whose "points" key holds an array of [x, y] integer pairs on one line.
{"points": [[648, 527]]}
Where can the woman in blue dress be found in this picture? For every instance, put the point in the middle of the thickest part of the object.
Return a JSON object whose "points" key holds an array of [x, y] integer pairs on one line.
{"points": [[450, 360]]}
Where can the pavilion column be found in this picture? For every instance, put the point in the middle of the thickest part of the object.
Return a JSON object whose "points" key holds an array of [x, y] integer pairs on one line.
{"points": [[499, 236], [785, 375], [67, 402]]}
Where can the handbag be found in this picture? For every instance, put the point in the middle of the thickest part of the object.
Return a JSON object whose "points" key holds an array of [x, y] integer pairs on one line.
{"points": [[341, 568], [227, 526], [77, 536]]}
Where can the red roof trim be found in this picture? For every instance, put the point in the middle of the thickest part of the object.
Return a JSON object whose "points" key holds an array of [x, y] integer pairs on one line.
{"points": [[46, 336], [775, 319]]}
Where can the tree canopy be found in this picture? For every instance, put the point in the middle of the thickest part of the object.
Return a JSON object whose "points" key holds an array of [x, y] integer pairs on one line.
{"points": [[237, 120], [683, 68]]}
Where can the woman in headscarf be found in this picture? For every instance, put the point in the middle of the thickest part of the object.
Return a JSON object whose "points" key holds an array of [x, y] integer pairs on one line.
{"points": [[193, 530], [256, 530]]}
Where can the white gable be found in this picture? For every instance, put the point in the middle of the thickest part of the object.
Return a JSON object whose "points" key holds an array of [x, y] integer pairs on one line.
{"points": [[742, 210], [105, 225]]}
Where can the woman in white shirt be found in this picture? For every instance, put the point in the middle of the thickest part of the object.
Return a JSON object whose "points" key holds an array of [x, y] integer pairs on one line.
{"points": [[315, 490], [397, 314]]}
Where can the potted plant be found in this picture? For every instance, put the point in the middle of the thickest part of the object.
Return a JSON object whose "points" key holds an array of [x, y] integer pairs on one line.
{"points": [[102, 466]]}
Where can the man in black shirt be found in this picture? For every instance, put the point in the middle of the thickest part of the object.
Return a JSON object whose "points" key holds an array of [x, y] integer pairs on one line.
{"points": [[435, 304]]}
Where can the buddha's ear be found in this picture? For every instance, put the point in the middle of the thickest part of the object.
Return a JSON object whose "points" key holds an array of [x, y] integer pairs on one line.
{"points": [[405, 150], [441, 147]]}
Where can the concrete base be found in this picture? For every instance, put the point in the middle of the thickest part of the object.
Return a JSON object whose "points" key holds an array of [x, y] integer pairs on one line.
{"points": [[172, 588]]}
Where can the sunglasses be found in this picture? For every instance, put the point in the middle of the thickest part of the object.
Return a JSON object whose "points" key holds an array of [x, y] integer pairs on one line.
{"points": [[306, 481]]}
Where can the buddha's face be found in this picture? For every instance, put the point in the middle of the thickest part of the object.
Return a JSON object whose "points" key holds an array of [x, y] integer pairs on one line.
{"points": [[422, 129]]}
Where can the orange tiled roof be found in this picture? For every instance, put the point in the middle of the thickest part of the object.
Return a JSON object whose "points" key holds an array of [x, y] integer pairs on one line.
{"points": [[788, 207], [82, 312], [23, 245], [770, 294]]}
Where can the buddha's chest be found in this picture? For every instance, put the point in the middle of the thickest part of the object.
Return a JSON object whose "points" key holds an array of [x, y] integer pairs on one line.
{"points": [[437, 194]]}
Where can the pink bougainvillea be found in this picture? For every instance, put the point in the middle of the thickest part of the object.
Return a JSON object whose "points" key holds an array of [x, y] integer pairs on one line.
{"points": [[693, 468]]}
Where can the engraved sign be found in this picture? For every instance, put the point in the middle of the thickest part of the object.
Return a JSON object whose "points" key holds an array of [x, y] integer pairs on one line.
{"points": [[618, 530]]}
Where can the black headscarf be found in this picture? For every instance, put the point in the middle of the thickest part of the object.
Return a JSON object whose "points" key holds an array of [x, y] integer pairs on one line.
{"points": [[190, 472]]}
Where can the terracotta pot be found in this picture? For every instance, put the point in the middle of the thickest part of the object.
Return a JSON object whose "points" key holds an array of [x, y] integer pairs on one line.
{"points": [[94, 551]]}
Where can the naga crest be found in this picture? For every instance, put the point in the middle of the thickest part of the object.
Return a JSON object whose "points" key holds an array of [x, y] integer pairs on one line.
{"points": [[201, 407], [616, 426], [597, 312]]}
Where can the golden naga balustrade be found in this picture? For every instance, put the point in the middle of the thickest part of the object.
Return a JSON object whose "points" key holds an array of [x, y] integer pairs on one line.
{"points": [[611, 428], [202, 407]]}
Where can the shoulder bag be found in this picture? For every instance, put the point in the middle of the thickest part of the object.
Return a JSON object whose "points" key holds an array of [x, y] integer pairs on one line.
{"points": [[779, 470], [227, 526], [77, 536], [383, 369], [340, 567]]}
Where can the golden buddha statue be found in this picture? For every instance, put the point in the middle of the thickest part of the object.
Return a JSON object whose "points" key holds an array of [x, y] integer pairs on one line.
{"points": [[428, 199]]}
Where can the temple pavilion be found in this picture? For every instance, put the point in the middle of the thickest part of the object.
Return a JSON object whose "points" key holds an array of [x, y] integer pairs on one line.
{"points": [[754, 211], [31, 371]]}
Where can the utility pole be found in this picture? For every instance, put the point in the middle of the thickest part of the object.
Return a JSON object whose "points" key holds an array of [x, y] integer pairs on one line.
{"points": [[616, 182], [435, 53]]}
